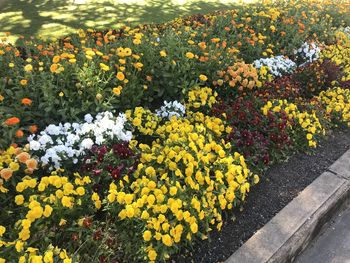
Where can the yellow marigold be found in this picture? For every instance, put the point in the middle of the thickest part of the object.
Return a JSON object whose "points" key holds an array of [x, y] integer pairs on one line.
{"points": [[23, 82], [117, 90], [28, 68], [120, 76], [104, 67], [189, 55], [203, 77]]}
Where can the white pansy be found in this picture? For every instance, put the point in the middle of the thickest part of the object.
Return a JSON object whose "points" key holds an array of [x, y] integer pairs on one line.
{"points": [[169, 109], [69, 141], [88, 118], [87, 144], [277, 66], [34, 145], [307, 53]]}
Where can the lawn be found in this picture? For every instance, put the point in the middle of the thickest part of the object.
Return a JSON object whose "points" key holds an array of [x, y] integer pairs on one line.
{"points": [[51, 18]]}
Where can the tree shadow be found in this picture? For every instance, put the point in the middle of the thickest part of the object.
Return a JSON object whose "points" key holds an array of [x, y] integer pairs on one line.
{"points": [[57, 17]]}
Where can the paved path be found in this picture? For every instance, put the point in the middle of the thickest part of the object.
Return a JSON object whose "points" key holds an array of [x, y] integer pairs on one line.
{"points": [[333, 244]]}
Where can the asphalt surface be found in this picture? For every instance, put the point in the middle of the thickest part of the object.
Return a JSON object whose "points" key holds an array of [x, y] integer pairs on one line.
{"points": [[333, 243]]}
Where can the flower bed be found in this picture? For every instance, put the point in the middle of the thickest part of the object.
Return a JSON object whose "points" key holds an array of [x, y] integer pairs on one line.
{"points": [[131, 145]]}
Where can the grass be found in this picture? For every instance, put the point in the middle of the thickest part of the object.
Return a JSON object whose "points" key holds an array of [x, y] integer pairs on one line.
{"points": [[54, 18]]}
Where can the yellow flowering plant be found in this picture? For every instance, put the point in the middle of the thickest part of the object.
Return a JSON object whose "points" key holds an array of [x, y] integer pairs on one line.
{"points": [[337, 105], [184, 182]]}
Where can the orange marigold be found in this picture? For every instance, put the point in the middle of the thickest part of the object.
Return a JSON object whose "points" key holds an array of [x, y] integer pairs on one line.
{"points": [[23, 157], [32, 164], [6, 173], [12, 121], [19, 133], [26, 101], [33, 128]]}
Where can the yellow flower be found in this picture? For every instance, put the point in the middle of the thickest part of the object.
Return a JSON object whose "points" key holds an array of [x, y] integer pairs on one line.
{"points": [[194, 228], [14, 166], [26, 223], [189, 55], [150, 171], [152, 255], [147, 235], [173, 190], [47, 211], [24, 82], [56, 59], [104, 67], [19, 199], [48, 257], [62, 222], [163, 53], [117, 90], [136, 41], [167, 240], [136, 122], [2, 230], [28, 68], [309, 136], [120, 76], [19, 246], [80, 191], [203, 77], [67, 202], [90, 53], [256, 179], [11, 65]]}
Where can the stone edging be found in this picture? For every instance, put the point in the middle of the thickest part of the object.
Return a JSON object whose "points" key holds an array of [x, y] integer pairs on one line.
{"points": [[295, 226]]}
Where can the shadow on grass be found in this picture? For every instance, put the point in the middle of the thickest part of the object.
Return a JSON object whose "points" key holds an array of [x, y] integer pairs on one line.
{"points": [[56, 17]]}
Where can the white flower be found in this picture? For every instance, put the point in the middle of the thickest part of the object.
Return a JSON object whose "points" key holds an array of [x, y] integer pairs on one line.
{"points": [[44, 139], [277, 66], [34, 145], [87, 143], [69, 142], [88, 118], [53, 130], [307, 53], [169, 109]]}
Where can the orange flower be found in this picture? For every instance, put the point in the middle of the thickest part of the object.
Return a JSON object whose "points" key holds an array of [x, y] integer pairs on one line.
{"points": [[26, 101], [12, 121], [23, 157], [6, 173], [19, 133], [117, 90], [120, 75], [53, 68], [56, 59], [24, 82], [32, 164], [33, 128]]}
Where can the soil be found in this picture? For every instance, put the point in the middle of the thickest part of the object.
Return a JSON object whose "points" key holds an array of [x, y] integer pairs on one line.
{"points": [[278, 186]]}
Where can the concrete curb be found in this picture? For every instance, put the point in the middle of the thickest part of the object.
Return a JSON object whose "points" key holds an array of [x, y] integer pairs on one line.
{"points": [[295, 226]]}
